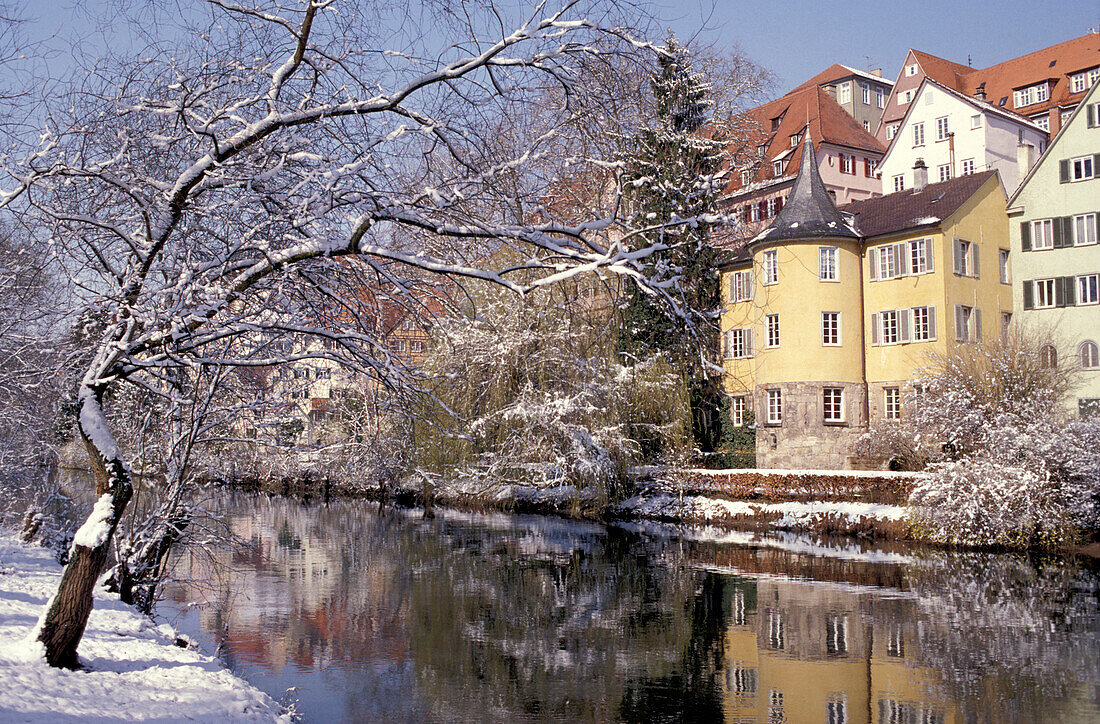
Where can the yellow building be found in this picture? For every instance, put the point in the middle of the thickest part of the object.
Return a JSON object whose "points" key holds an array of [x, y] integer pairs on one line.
{"points": [[828, 313]]}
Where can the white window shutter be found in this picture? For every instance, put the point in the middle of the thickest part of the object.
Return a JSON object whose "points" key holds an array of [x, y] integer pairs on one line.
{"points": [[929, 258], [901, 260], [876, 329], [960, 324], [931, 322], [748, 284], [976, 316], [957, 248], [872, 260], [733, 287], [974, 270], [750, 346], [903, 324]]}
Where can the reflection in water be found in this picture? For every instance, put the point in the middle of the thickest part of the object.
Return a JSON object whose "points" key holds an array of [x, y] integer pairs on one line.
{"points": [[389, 617]]}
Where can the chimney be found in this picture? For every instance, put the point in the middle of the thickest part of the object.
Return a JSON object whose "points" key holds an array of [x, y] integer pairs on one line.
{"points": [[1054, 121], [920, 175], [877, 71], [1025, 159], [980, 92]]}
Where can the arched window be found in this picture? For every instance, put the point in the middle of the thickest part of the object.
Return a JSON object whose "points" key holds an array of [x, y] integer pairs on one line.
{"points": [[1048, 356], [1088, 355]]}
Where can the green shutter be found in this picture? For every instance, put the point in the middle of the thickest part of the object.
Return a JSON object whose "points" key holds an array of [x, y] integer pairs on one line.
{"points": [[1025, 235], [1059, 294], [1063, 171], [1058, 238], [1029, 295], [1070, 291], [1091, 112]]}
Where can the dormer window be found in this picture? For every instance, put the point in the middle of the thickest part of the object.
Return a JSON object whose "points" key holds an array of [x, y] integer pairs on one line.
{"points": [[794, 141], [746, 178], [1031, 95], [777, 169], [1081, 82], [775, 123]]}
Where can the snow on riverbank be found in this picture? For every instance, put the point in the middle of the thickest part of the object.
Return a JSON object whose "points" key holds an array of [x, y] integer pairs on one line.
{"points": [[134, 670]]}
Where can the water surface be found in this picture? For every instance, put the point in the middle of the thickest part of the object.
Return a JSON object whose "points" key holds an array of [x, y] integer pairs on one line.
{"points": [[386, 616]]}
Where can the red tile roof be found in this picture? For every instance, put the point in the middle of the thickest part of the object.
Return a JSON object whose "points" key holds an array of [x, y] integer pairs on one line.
{"points": [[829, 123]]}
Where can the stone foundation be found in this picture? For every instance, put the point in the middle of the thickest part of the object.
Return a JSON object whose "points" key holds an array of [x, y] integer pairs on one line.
{"points": [[803, 439]]}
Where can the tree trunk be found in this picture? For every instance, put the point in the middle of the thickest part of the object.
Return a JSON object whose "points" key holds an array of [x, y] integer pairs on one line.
{"points": [[62, 626]]}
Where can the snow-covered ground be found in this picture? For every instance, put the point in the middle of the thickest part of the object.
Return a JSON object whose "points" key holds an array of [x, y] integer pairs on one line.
{"points": [[134, 671]]}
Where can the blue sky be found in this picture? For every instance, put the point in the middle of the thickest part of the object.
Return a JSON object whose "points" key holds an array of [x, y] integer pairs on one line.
{"points": [[798, 38]]}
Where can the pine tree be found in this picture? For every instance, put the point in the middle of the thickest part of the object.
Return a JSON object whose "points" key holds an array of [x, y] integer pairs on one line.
{"points": [[669, 172]]}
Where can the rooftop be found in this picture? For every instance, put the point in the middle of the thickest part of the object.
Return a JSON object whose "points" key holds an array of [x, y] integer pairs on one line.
{"points": [[912, 209]]}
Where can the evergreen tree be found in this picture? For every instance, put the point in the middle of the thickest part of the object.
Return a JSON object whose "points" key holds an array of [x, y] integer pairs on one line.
{"points": [[669, 173]]}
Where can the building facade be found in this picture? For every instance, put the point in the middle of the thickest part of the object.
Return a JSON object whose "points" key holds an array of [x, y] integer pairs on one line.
{"points": [[829, 314], [957, 135], [1054, 218]]}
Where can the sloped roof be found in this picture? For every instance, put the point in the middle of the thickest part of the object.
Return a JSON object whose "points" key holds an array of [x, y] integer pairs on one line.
{"points": [[828, 123], [912, 209], [945, 71], [809, 211]]}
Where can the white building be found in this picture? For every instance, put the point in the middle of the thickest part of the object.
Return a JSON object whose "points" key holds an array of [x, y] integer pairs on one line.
{"points": [[956, 135], [1055, 258]]}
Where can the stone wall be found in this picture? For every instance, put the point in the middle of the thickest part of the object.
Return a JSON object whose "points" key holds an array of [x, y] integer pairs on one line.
{"points": [[804, 439]]}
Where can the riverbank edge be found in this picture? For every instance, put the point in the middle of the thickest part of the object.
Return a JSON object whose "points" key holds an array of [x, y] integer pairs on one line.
{"points": [[134, 668], [868, 505]]}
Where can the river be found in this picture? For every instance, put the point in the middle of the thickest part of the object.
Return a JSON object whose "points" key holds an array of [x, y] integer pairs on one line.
{"points": [[385, 616]]}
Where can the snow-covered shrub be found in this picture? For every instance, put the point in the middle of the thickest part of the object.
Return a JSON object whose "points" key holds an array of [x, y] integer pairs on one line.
{"points": [[1008, 464], [527, 391]]}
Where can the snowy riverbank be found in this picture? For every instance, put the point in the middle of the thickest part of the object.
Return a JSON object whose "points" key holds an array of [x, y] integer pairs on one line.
{"points": [[134, 670]]}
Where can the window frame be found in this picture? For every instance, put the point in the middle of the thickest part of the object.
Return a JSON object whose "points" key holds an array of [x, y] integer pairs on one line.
{"points": [[1045, 288], [1087, 293], [830, 329], [918, 134], [832, 405], [1077, 168], [1003, 266], [844, 93], [1088, 355], [1086, 221], [828, 263], [1042, 229], [865, 92], [774, 406], [944, 170], [772, 340], [967, 167], [737, 410], [891, 403], [899, 182], [943, 128], [770, 267]]}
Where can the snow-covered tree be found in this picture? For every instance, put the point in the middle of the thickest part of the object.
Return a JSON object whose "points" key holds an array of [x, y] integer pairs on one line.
{"points": [[207, 191]]}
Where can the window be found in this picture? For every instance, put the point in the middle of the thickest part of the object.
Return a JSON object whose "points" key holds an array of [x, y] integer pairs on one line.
{"points": [[771, 266], [836, 635], [895, 642], [1094, 75], [772, 210], [1079, 83], [777, 629], [1044, 293], [775, 414], [966, 258], [836, 711], [1031, 95], [746, 178], [739, 343], [1087, 289], [945, 172], [827, 264], [968, 324], [1042, 234], [830, 329], [777, 168], [741, 286], [743, 680], [1077, 169], [911, 69], [737, 411], [892, 402], [794, 141], [891, 131], [1002, 262], [1048, 357], [1006, 324], [976, 120], [887, 262], [865, 90], [920, 256], [880, 98], [888, 323], [1088, 407], [832, 404], [773, 330], [942, 129], [967, 166], [899, 182], [923, 326], [869, 167], [847, 163], [1084, 229], [844, 93], [1088, 355], [1043, 122], [918, 134]]}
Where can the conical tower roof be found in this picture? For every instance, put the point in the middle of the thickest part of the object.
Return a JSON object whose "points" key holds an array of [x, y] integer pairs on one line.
{"points": [[809, 211]]}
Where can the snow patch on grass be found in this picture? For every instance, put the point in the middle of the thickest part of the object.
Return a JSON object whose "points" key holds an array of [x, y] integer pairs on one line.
{"points": [[134, 670]]}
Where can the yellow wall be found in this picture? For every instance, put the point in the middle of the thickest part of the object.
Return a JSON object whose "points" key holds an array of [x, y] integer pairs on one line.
{"points": [[981, 220]]}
